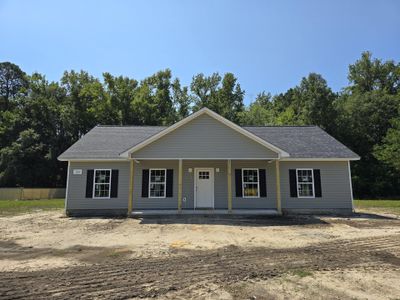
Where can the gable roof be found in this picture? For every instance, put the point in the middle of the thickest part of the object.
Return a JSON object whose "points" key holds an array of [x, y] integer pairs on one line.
{"points": [[292, 142], [205, 111]]}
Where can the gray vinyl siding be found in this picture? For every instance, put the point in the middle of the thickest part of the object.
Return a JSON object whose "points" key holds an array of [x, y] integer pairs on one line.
{"points": [[268, 202], [154, 203], [335, 186], [220, 182], [76, 194], [204, 137]]}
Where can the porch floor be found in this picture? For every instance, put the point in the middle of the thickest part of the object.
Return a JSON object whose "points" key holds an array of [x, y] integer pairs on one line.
{"points": [[149, 212]]}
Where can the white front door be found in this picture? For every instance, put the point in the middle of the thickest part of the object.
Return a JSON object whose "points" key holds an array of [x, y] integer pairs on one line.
{"points": [[204, 188]]}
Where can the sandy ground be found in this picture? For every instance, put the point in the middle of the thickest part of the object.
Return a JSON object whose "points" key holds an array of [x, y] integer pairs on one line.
{"points": [[46, 242]]}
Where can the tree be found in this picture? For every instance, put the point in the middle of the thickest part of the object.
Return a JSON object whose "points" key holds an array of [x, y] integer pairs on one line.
{"points": [[181, 99], [121, 91], [82, 92], [259, 112], [389, 150], [310, 103], [317, 102], [230, 98], [24, 161], [367, 75], [204, 91], [12, 82], [224, 97]]}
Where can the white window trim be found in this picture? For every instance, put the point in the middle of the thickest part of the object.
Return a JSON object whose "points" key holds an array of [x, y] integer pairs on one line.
{"points": [[165, 183], [313, 182], [94, 184], [258, 183]]}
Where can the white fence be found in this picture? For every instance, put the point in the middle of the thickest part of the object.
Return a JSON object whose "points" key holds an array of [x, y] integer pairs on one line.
{"points": [[30, 193]]}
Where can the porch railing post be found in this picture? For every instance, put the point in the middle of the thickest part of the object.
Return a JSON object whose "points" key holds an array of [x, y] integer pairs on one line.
{"points": [[229, 178], [278, 188], [180, 186]]}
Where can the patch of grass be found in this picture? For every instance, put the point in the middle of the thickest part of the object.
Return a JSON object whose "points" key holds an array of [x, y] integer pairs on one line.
{"points": [[388, 206], [301, 273], [15, 207]]}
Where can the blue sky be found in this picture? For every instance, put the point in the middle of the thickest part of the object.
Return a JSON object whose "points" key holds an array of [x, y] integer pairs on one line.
{"points": [[268, 45]]}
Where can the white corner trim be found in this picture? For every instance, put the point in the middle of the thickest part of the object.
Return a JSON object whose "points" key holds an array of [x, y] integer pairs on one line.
{"points": [[66, 189], [351, 186], [214, 115]]}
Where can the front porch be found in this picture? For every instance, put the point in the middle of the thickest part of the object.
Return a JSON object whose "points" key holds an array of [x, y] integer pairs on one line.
{"points": [[225, 200]]}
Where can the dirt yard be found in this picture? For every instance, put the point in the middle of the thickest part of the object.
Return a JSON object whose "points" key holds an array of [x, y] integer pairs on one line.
{"points": [[45, 254]]}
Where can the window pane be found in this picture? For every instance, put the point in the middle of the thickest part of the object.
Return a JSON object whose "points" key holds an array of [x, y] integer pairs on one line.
{"points": [[157, 190], [204, 175], [304, 175], [102, 176], [101, 190], [305, 190], [157, 176], [250, 175], [250, 189]]}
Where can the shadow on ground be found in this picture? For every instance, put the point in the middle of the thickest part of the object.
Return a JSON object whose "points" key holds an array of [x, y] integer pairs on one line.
{"points": [[254, 221]]}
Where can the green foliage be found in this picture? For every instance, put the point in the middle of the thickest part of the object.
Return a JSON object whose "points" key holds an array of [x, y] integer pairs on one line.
{"points": [[389, 150], [385, 206], [16, 207], [12, 83], [40, 119], [368, 75], [259, 112], [224, 97]]}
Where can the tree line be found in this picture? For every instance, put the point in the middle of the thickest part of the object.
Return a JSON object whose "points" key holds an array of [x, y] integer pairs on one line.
{"points": [[41, 119]]}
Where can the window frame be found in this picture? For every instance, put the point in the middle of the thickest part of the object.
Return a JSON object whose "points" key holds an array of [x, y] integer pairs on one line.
{"points": [[94, 184], [165, 183], [258, 182], [312, 183]]}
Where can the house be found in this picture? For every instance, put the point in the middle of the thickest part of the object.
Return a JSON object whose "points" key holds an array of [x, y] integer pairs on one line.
{"points": [[207, 164]]}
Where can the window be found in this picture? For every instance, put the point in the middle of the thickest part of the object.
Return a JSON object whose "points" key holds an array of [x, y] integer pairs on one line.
{"points": [[157, 183], [305, 183], [250, 183], [204, 175], [102, 184]]}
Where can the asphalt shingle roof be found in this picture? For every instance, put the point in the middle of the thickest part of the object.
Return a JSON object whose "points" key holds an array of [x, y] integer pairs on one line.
{"points": [[107, 142], [303, 141]]}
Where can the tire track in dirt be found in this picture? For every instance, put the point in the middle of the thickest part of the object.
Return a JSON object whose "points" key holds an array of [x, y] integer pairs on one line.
{"points": [[157, 276]]}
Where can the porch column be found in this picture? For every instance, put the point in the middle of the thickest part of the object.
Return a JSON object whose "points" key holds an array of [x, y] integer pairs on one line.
{"points": [[130, 197], [180, 186], [229, 177], [278, 188]]}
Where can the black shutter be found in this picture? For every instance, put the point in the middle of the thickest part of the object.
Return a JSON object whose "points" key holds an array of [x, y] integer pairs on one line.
{"points": [[170, 182], [114, 183], [238, 182], [317, 183], [293, 183], [263, 183], [89, 183], [145, 183]]}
